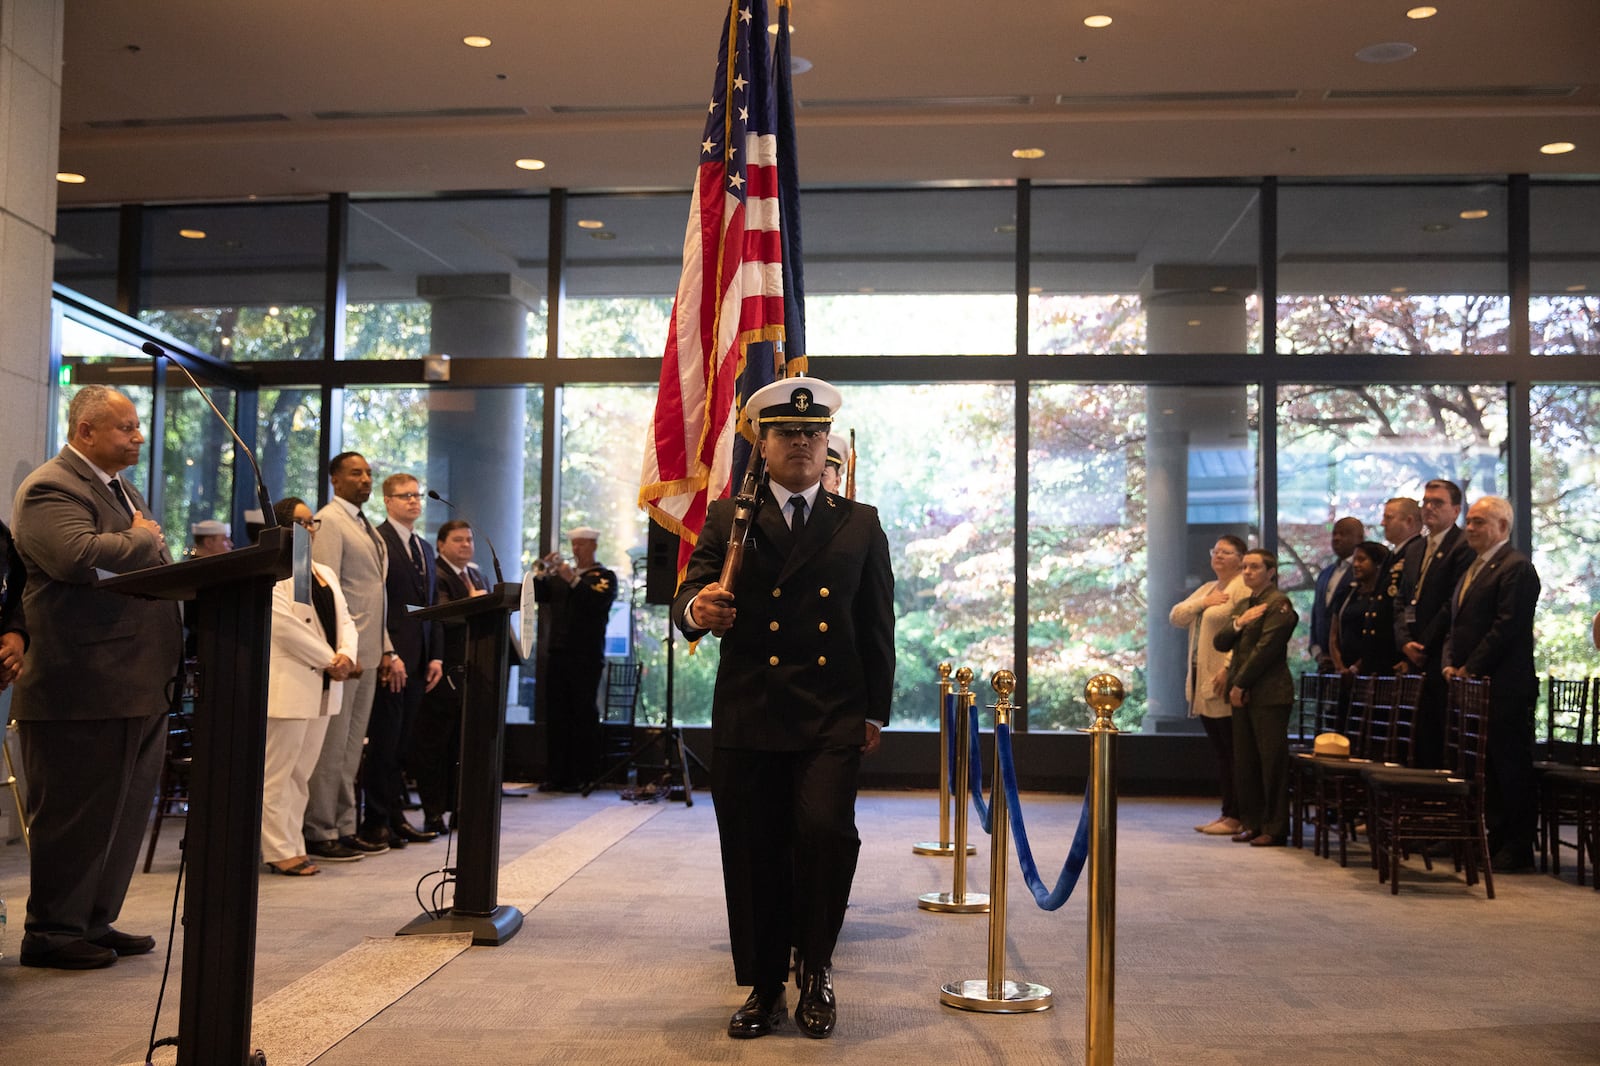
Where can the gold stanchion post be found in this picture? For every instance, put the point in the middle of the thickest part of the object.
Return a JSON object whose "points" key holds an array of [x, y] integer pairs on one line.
{"points": [[958, 900], [1104, 694], [944, 845], [994, 994]]}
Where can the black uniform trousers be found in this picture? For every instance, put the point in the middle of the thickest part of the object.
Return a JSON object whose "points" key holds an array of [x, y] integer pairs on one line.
{"points": [[572, 734], [787, 824], [91, 785]]}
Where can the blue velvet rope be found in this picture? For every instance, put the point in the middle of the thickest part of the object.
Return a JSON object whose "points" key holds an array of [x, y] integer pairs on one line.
{"points": [[975, 773], [1047, 899]]}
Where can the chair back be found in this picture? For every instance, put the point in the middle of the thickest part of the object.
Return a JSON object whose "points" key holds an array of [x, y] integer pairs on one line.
{"points": [[1389, 721], [1467, 737], [1332, 691], [1404, 696], [622, 692], [1566, 714], [1358, 723], [1304, 721]]}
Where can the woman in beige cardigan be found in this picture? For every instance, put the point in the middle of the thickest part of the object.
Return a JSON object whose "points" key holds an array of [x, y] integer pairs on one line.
{"points": [[1206, 611]]}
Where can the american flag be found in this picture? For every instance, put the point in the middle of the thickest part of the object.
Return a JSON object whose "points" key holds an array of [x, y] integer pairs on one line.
{"points": [[728, 322]]}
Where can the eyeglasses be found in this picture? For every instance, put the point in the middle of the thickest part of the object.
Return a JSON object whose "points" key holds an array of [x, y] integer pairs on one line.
{"points": [[407, 496], [312, 524]]}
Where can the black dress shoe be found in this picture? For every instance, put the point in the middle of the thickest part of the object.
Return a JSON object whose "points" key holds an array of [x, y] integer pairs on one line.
{"points": [[374, 843], [409, 833], [1511, 861], [763, 1012], [434, 825], [73, 955], [125, 943], [333, 851], [817, 1011]]}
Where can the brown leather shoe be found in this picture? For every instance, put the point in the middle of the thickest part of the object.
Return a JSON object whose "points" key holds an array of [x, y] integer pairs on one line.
{"points": [[1265, 840], [763, 1012]]}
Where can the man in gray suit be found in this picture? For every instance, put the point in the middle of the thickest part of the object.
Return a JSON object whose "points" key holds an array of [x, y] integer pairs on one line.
{"points": [[91, 704], [348, 545]]}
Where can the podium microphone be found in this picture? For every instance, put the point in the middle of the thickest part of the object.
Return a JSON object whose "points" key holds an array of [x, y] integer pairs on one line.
{"points": [[500, 579], [269, 520]]}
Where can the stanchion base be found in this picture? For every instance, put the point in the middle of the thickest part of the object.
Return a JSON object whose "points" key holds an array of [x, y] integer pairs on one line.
{"points": [[1016, 997], [950, 903], [488, 930], [933, 847]]}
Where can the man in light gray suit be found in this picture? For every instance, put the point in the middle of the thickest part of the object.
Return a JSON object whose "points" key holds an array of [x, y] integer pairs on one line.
{"points": [[91, 703], [347, 544]]}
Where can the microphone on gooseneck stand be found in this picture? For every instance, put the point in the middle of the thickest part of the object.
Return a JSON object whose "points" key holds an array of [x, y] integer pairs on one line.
{"points": [[268, 519], [500, 579]]}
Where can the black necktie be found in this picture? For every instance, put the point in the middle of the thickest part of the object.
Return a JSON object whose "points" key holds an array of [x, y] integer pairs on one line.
{"points": [[416, 553], [372, 534], [122, 496], [799, 505]]}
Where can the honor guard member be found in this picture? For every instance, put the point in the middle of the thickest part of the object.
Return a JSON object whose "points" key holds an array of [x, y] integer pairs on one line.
{"points": [[803, 689], [579, 595], [833, 463]]}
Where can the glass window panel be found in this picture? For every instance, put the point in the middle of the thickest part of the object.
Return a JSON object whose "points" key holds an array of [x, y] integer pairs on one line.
{"points": [[1564, 238], [1566, 525], [479, 449], [1345, 450], [91, 357], [239, 281], [880, 280], [1129, 487], [1403, 269], [406, 254], [198, 466], [1118, 271], [289, 443], [86, 252]]}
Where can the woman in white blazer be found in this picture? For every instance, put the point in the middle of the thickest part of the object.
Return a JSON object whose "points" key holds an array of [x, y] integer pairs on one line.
{"points": [[1207, 610], [313, 652]]}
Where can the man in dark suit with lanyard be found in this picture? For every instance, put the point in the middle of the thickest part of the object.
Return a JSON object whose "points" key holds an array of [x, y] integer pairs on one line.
{"points": [[1491, 635], [409, 581], [92, 704], [803, 689], [1433, 565]]}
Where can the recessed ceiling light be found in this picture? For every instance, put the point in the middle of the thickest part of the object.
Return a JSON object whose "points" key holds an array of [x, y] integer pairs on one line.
{"points": [[1219, 288], [1194, 322], [530, 164], [274, 311], [590, 223], [1476, 212], [603, 235], [227, 342], [1006, 227], [1399, 290], [475, 41], [1027, 153], [1435, 227], [193, 234], [1577, 288], [772, 27], [1097, 22], [1387, 52], [1035, 290], [1424, 12], [66, 177], [1557, 147]]}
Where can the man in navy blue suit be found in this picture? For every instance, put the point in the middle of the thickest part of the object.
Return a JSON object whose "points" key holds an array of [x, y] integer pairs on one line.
{"points": [[1333, 585]]}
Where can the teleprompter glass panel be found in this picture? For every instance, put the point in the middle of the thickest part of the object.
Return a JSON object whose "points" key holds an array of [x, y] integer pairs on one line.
{"points": [[1402, 269]]}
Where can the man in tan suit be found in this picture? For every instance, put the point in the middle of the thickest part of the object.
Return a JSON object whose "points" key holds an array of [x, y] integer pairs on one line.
{"points": [[91, 702], [348, 545]]}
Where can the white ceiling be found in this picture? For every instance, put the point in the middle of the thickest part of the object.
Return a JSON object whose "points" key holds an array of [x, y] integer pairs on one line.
{"points": [[612, 95]]}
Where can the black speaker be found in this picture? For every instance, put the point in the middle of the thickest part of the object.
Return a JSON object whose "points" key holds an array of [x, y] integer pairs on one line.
{"points": [[661, 565]]}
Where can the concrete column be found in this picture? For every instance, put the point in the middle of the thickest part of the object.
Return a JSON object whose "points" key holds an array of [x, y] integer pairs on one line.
{"points": [[30, 122], [1189, 310], [476, 438]]}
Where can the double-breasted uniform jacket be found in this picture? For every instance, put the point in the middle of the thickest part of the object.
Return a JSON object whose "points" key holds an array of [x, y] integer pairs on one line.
{"points": [[1260, 663], [416, 643], [1422, 610], [92, 654], [810, 656], [344, 546], [580, 611]]}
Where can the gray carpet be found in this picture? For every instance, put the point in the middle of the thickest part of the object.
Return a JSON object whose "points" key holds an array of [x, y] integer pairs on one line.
{"points": [[1225, 954]]}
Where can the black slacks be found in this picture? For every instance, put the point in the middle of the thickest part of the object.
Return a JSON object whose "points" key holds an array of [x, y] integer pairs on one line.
{"points": [[435, 751], [787, 823], [572, 727], [383, 784], [91, 787]]}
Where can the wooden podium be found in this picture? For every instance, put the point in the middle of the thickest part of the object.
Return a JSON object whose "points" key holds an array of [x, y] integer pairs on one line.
{"points": [[231, 615], [483, 748]]}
